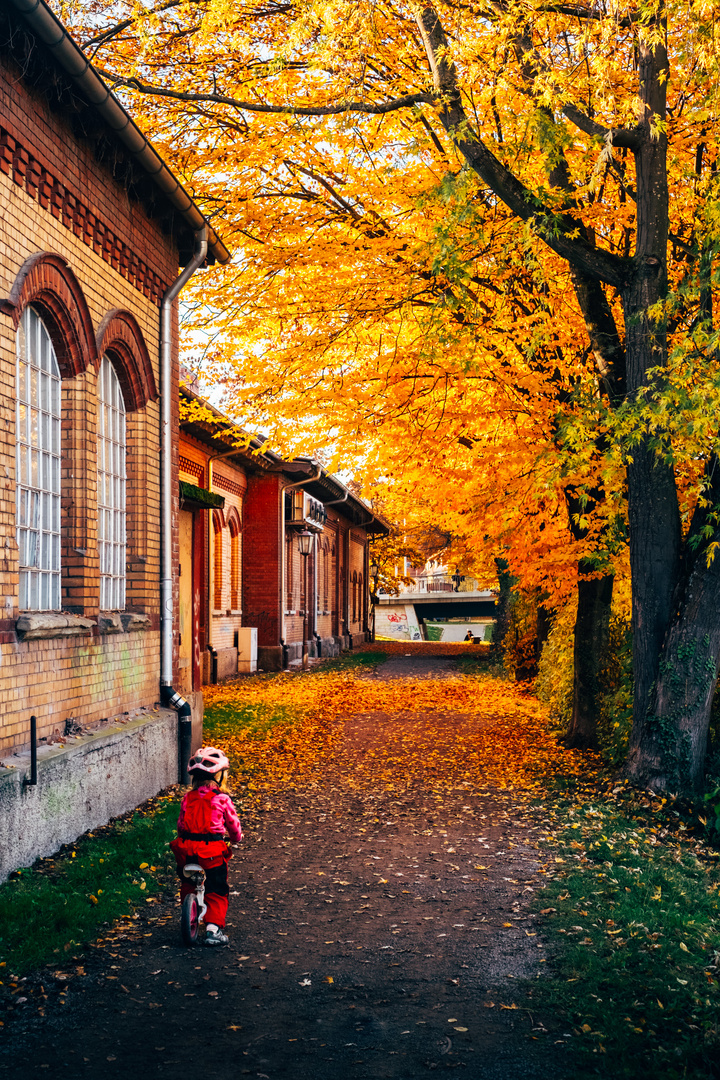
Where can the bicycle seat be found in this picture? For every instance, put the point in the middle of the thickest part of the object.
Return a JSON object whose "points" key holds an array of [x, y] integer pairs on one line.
{"points": [[191, 868]]}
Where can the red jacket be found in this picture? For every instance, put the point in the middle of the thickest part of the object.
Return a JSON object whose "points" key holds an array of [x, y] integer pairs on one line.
{"points": [[206, 812]]}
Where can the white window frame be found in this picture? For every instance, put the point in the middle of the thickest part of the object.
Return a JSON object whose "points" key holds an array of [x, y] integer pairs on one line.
{"points": [[38, 465], [112, 489]]}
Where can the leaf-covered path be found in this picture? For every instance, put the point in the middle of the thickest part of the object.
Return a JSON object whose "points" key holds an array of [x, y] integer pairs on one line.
{"points": [[380, 915]]}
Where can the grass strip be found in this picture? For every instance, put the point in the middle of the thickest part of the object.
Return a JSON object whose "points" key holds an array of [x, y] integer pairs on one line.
{"points": [[633, 909], [229, 718], [59, 904], [349, 661]]}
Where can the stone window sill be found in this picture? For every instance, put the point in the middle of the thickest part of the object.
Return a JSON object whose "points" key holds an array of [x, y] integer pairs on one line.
{"points": [[42, 625], [39, 625], [122, 622]]}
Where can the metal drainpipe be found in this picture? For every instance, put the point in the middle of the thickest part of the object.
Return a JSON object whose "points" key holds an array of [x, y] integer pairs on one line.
{"points": [[168, 695]]}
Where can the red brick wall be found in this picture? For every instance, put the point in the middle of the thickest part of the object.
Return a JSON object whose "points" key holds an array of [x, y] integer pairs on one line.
{"points": [[263, 592], [76, 191], [56, 198]]}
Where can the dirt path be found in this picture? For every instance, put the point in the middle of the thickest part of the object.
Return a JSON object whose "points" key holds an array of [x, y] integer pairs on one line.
{"points": [[375, 933]]}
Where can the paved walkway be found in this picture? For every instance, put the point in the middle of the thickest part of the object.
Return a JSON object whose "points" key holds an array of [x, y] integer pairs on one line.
{"points": [[416, 666], [378, 930]]}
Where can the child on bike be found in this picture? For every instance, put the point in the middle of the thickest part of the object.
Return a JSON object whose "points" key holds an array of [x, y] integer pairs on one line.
{"points": [[206, 814]]}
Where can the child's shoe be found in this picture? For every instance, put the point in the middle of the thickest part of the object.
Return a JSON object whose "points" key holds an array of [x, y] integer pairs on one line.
{"points": [[216, 937]]}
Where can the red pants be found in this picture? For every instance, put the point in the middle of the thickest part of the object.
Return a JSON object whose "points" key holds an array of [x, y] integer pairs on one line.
{"points": [[216, 886]]}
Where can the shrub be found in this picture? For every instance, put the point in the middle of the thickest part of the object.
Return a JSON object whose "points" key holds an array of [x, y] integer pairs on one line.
{"points": [[615, 700], [554, 684]]}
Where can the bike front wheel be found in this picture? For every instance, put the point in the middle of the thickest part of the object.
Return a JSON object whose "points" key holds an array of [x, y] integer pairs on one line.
{"points": [[189, 919]]}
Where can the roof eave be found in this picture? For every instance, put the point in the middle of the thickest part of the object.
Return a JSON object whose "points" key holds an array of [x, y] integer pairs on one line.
{"points": [[70, 57]]}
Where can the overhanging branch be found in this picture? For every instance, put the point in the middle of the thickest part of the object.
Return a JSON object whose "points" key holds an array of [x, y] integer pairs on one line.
{"points": [[620, 137], [369, 108]]}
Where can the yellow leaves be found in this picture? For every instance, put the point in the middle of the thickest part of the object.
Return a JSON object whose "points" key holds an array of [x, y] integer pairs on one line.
{"points": [[93, 899], [502, 739]]}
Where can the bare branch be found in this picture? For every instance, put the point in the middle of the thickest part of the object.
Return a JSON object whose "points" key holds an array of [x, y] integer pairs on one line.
{"points": [[367, 107], [112, 31], [579, 11], [620, 137]]}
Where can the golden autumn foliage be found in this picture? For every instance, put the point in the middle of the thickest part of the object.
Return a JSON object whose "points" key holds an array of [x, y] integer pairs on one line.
{"points": [[475, 255], [501, 738], [383, 301], [382, 304]]}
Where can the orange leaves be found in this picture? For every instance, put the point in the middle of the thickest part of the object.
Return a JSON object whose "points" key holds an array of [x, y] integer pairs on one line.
{"points": [[500, 738]]}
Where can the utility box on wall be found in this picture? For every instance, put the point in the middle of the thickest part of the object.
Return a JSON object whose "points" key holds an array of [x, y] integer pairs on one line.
{"points": [[247, 649]]}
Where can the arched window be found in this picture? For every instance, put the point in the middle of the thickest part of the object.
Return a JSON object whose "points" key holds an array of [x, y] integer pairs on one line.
{"points": [[38, 465], [112, 479], [234, 564], [217, 562]]}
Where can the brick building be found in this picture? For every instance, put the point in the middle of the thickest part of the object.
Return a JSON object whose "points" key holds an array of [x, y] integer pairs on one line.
{"points": [[242, 572], [94, 228]]}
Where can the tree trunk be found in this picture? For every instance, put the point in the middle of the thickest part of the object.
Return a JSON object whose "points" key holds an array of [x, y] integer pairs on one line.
{"points": [[591, 637], [653, 512], [668, 751], [502, 607], [655, 548]]}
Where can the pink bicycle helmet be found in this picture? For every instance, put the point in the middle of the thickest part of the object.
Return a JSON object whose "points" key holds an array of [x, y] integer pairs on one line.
{"points": [[208, 760]]}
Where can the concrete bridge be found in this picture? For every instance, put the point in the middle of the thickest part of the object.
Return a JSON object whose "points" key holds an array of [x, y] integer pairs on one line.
{"points": [[437, 611]]}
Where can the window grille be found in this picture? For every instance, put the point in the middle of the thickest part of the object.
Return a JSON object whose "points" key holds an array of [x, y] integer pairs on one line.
{"points": [[112, 452], [38, 466]]}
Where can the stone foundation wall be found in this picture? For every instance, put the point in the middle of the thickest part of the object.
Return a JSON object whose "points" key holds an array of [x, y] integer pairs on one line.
{"points": [[83, 783]]}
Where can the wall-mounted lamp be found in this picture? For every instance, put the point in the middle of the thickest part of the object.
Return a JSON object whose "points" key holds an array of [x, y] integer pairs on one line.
{"points": [[305, 542]]}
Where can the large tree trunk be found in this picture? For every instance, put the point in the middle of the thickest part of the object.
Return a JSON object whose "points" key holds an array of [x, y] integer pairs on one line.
{"points": [[654, 518], [655, 547], [591, 636], [668, 751]]}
